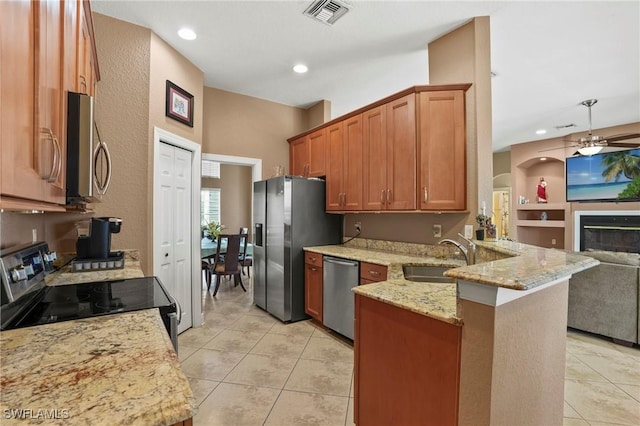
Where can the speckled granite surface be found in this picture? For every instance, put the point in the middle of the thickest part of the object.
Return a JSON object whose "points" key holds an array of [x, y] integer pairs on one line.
{"points": [[112, 370], [131, 269], [519, 266], [529, 267]]}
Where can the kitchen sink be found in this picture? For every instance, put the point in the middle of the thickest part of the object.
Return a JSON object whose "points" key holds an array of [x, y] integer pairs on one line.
{"points": [[426, 274]]}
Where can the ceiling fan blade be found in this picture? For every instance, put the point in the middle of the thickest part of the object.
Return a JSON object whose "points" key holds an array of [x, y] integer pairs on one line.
{"points": [[560, 147], [623, 144], [622, 137]]}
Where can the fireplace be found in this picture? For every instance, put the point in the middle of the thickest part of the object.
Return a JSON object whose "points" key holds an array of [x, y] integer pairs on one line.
{"points": [[607, 230]]}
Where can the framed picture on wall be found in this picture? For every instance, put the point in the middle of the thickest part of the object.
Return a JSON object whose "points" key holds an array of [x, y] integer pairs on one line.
{"points": [[179, 104]]}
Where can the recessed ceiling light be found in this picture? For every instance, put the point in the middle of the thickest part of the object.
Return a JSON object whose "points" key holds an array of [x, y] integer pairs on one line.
{"points": [[300, 68], [187, 34], [543, 158], [541, 132]]}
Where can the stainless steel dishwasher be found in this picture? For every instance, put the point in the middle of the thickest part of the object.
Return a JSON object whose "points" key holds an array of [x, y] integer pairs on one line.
{"points": [[340, 276]]}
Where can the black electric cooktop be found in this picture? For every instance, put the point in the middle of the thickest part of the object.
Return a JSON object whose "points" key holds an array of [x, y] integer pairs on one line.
{"points": [[76, 301]]}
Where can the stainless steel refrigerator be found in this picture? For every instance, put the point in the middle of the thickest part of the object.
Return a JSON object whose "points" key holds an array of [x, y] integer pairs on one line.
{"points": [[288, 214]]}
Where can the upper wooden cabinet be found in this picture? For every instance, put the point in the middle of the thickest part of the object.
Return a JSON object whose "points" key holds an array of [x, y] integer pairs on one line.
{"points": [[406, 152], [344, 165], [442, 171], [40, 53], [390, 156], [307, 155]]}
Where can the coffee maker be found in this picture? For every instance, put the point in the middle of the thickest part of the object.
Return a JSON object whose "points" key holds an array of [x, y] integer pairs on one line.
{"points": [[97, 245]]}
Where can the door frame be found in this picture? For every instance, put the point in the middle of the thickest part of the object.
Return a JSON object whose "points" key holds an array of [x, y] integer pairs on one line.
{"points": [[163, 136]]}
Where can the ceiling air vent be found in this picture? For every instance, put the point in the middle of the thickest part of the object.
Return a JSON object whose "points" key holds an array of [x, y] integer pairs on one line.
{"points": [[326, 11]]}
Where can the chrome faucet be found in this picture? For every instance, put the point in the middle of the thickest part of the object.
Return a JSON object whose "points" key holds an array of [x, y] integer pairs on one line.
{"points": [[469, 252]]}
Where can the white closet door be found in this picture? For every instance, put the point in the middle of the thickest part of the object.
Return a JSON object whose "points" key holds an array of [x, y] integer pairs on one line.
{"points": [[173, 248]]}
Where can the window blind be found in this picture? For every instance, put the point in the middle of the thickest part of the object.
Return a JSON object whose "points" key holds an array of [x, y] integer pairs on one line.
{"points": [[210, 205]]}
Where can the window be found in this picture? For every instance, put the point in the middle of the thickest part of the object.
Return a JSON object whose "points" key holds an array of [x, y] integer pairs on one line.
{"points": [[210, 205]]}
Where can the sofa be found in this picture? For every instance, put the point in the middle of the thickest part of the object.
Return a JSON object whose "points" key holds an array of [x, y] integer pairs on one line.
{"points": [[605, 299]]}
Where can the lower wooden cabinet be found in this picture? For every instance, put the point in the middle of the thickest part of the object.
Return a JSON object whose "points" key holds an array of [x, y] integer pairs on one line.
{"points": [[313, 285], [407, 367], [372, 273]]}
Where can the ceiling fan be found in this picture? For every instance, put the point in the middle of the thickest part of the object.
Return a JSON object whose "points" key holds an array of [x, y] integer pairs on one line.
{"points": [[592, 144]]}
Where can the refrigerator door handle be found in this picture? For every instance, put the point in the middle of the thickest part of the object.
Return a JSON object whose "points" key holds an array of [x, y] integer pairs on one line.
{"points": [[258, 233]]}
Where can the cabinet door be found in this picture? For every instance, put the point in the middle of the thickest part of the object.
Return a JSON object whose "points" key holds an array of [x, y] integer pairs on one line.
{"points": [[401, 154], [352, 198], [50, 105], [317, 154], [375, 159], [299, 153], [313, 291], [20, 175], [442, 151], [335, 167]]}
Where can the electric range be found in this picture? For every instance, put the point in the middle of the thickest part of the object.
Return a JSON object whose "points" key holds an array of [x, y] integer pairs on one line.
{"points": [[38, 304]]}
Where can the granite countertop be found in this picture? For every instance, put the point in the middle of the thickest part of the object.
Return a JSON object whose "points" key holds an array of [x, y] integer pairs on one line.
{"points": [[435, 300], [132, 269], [529, 267], [112, 370]]}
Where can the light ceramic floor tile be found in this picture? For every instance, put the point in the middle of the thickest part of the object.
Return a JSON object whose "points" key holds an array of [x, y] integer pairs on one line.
{"points": [[602, 402], [215, 319], [353, 386], [262, 370], [210, 364], [297, 408], [300, 328], [185, 352], [319, 332], [256, 311], [578, 370], [568, 421], [253, 323], [570, 412], [328, 350], [349, 421], [236, 405], [586, 344], [235, 341], [201, 388], [323, 377], [197, 337], [618, 369], [280, 345], [631, 390]]}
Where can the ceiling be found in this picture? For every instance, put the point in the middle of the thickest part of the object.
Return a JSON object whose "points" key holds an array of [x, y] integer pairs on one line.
{"points": [[547, 56]]}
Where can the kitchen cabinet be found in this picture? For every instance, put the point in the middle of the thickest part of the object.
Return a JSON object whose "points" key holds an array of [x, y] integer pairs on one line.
{"points": [[313, 285], [87, 71], [371, 273], [307, 155], [441, 148], [344, 165], [390, 156], [389, 343], [39, 39]]}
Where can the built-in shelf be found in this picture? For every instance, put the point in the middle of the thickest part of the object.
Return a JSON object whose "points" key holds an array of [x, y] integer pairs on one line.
{"points": [[541, 223], [541, 206]]}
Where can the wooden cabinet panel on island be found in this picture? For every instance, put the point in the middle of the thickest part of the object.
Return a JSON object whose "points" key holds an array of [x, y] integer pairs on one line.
{"points": [[313, 285], [344, 165], [442, 150], [406, 365]]}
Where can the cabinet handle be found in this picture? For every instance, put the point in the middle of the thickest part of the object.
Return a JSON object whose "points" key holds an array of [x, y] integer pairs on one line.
{"points": [[313, 259], [306, 170], [344, 199], [382, 196], [83, 82], [56, 144], [54, 162], [374, 273], [388, 196], [426, 197], [313, 268]]}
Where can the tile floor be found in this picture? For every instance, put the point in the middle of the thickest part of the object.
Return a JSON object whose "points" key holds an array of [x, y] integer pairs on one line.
{"points": [[247, 368]]}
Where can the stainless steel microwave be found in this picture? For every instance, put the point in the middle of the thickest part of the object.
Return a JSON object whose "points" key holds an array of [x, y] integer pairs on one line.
{"points": [[88, 159]]}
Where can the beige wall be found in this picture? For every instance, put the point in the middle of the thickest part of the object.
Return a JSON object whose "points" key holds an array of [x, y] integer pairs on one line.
{"points": [[236, 189], [243, 126], [501, 163], [318, 114]]}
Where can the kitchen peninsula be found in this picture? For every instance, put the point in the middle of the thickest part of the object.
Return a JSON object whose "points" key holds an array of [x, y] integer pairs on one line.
{"points": [[489, 349]]}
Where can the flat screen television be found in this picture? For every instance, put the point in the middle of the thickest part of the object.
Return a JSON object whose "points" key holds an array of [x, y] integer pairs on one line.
{"points": [[611, 176]]}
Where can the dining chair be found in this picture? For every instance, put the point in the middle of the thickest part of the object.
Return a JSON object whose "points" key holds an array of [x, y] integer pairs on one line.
{"points": [[245, 259], [230, 266]]}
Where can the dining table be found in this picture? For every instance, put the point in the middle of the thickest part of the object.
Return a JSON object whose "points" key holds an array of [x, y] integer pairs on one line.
{"points": [[208, 248]]}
